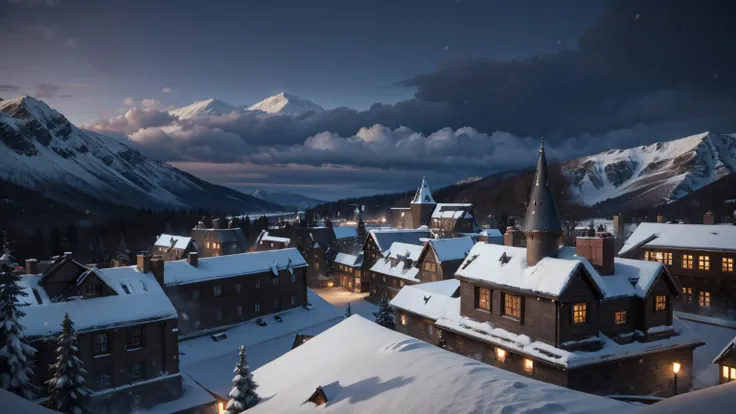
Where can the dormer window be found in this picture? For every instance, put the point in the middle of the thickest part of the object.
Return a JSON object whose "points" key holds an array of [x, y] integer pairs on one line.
{"points": [[483, 298]]}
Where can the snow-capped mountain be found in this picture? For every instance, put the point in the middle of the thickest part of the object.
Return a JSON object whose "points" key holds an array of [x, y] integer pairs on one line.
{"points": [[42, 151], [285, 198], [652, 174], [468, 180], [205, 107], [286, 104]]}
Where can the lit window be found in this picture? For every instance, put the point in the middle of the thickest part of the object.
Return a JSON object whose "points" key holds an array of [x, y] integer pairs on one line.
{"points": [[430, 267], [727, 264], [620, 318], [703, 263], [579, 313], [729, 373], [258, 284], [646, 255], [207, 244], [500, 354], [403, 320], [195, 295], [136, 371], [401, 283], [218, 315], [316, 266], [483, 298], [293, 299], [100, 344], [430, 330], [704, 299], [237, 288], [662, 257], [528, 365], [660, 303], [687, 294], [239, 310], [257, 307], [687, 261], [512, 306], [357, 272], [134, 337], [668, 259], [217, 291]]}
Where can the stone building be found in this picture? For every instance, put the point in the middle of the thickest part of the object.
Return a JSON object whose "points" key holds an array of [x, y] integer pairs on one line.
{"points": [[575, 317], [172, 247], [126, 327], [218, 291], [701, 258], [222, 239]]}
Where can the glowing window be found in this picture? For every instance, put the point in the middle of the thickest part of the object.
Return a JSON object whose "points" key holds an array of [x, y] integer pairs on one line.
{"points": [[512, 306], [704, 299], [703, 263], [687, 261], [660, 303], [528, 365], [727, 264], [620, 318]]}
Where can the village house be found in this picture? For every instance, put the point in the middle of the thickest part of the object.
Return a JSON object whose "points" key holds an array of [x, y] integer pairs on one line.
{"points": [[212, 292], [126, 327], [350, 272], [222, 239], [172, 247], [726, 361], [701, 258], [575, 317], [267, 241]]}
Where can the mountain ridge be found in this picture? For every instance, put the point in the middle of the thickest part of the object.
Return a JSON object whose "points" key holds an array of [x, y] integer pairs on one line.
{"points": [[285, 198], [281, 104]]}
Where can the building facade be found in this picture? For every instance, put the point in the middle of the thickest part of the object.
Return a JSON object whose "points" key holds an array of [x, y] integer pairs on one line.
{"points": [[219, 240], [173, 247], [726, 361]]}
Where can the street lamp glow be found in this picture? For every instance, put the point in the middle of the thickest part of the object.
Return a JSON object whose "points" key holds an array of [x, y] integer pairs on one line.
{"points": [[675, 367]]}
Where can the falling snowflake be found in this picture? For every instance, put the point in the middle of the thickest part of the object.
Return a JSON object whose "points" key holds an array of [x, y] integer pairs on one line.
{"points": [[715, 76], [559, 41], [447, 47], [637, 16], [185, 316]]}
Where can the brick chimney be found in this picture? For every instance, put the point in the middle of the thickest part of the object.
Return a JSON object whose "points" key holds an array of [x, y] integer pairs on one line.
{"points": [[31, 266], [599, 250], [708, 218], [660, 218], [144, 261], [193, 259], [230, 224], [513, 237], [157, 268]]}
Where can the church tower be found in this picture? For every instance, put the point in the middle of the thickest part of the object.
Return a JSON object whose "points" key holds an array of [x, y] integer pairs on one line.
{"points": [[542, 228], [422, 206]]}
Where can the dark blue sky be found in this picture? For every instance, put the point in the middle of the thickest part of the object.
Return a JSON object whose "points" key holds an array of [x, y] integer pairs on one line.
{"points": [[335, 53]]}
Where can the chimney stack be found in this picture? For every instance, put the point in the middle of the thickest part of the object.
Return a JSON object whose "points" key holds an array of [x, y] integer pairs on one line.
{"points": [[619, 225], [215, 223], [193, 259], [708, 218], [660, 218], [31, 266], [157, 268], [144, 261], [513, 237], [599, 250], [230, 224]]}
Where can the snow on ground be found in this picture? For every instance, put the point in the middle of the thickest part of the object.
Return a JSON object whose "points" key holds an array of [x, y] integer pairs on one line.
{"points": [[365, 368], [340, 298], [716, 400], [211, 363], [715, 338], [11, 403]]}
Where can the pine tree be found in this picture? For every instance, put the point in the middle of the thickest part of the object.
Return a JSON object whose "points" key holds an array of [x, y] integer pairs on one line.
{"points": [[348, 312], [385, 315], [67, 392], [16, 355], [122, 254], [243, 395]]}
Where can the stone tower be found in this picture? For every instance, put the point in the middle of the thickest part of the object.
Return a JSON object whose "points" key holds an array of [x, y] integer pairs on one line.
{"points": [[542, 228], [422, 206]]}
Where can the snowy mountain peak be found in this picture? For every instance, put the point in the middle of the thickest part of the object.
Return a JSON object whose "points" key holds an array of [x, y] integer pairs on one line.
{"points": [[211, 106], [29, 107], [287, 104], [653, 174]]}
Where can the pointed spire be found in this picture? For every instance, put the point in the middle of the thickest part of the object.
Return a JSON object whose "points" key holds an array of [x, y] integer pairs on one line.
{"points": [[541, 213], [423, 195]]}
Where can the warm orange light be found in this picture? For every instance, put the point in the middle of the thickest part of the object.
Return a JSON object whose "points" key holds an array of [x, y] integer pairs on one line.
{"points": [[675, 367], [500, 354], [221, 409], [528, 365], [330, 284], [403, 319]]}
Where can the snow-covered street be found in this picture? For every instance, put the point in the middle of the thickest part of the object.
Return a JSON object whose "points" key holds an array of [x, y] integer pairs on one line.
{"points": [[340, 298]]}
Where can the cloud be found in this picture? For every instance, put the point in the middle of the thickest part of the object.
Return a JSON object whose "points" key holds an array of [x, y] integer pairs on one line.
{"points": [[133, 121], [166, 90], [8, 88], [130, 101], [150, 104], [46, 90]]}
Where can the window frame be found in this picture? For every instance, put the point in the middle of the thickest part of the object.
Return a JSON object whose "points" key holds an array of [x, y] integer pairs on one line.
{"points": [[293, 299], [660, 303], [580, 313], [134, 378], [727, 264], [704, 299], [704, 262], [687, 294], [101, 344], [217, 291], [480, 292], [257, 307], [131, 335], [239, 310], [620, 317], [195, 294], [688, 261], [103, 374], [512, 312]]}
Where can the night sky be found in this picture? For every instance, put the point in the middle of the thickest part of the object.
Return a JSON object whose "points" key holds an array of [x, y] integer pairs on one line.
{"points": [[446, 89]]}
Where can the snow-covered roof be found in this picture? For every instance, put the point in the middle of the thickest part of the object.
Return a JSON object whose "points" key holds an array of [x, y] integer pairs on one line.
{"points": [[423, 195], [12, 403], [371, 369], [349, 259], [170, 240], [452, 210], [265, 236], [682, 236], [384, 238], [719, 399], [180, 272], [491, 233], [452, 248], [344, 232], [401, 270], [211, 363], [432, 300], [399, 250], [138, 298], [725, 350], [550, 276]]}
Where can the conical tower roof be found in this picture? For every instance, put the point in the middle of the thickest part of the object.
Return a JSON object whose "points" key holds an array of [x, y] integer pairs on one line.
{"points": [[423, 195], [541, 213]]}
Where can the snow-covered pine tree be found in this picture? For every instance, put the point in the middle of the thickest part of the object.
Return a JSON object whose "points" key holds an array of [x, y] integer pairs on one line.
{"points": [[385, 315], [243, 395], [348, 312], [67, 392], [16, 355], [122, 255]]}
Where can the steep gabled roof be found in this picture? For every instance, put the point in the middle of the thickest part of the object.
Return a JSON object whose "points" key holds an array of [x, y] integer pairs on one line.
{"points": [[682, 236], [725, 351], [541, 213], [423, 195], [173, 241], [449, 249], [385, 238]]}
